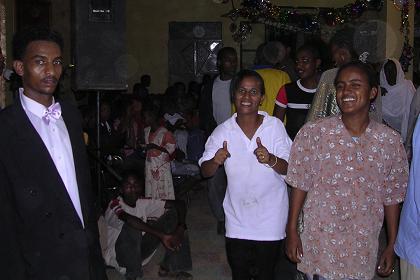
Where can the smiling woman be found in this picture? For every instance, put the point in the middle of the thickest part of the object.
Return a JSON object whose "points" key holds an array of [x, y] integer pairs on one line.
{"points": [[254, 149], [343, 160], [247, 90], [356, 87]]}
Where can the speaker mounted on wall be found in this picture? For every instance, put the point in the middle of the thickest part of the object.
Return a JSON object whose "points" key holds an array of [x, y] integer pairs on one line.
{"points": [[99, 45]]}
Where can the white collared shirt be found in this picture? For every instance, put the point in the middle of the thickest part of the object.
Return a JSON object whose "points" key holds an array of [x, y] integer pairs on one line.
{"points": [[256, 201], [57, 141]]}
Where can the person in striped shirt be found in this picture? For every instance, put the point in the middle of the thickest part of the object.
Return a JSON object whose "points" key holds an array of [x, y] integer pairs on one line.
{"points": [[294, 99]]}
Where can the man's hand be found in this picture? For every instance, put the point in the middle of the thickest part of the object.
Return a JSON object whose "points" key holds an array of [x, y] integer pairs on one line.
{"points": [[261, 152], [386, 262], [116, 207], [171, 242], [294, 249], [222, 154]]}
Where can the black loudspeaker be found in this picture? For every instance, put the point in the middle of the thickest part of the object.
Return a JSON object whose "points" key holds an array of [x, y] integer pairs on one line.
{"points": [[99, 45], [193, 48]]}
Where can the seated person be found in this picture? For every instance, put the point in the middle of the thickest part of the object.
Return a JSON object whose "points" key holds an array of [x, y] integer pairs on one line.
{"points": [[181, 166], [136, 226]]}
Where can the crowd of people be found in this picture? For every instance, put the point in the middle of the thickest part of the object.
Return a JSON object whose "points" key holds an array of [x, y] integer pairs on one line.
{"points": [[347, 167], [304, 167]]}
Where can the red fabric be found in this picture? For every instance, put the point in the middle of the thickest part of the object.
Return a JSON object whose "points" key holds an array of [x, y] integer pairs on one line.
{"points": [[282, 96]]}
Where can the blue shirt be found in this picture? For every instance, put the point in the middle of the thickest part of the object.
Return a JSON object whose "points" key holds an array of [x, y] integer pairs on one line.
{"points": [[407, 245]]}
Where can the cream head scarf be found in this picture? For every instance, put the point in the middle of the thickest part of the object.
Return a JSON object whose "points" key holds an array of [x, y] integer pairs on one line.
{"points": [[397, 100]]}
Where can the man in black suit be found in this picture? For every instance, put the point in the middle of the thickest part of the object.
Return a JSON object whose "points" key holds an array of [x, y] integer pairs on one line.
{"points": [[47, 213]]}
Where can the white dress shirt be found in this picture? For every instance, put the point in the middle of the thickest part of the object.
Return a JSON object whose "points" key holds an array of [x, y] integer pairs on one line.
{"points": [[57, 141]]}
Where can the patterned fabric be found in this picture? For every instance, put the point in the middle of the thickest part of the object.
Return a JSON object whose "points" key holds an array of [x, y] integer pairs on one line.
{"points": [[324, 103], [347, 184], [158, 182]]}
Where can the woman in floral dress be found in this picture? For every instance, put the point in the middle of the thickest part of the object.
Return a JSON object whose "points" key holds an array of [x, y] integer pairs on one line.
{"points": [[160, 145], [349, 173]]}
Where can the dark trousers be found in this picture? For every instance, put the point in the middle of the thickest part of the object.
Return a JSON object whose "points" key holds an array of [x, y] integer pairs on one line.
{"points": [[285, 269], [132, 248], [216, 187], [250, 259]]}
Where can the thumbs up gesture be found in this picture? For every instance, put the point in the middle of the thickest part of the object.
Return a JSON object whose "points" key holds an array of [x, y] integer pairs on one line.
{"points": [[222, 154], [261, 152]]}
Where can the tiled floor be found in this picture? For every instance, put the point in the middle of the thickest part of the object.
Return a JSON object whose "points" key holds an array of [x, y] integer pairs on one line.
{"points": [[207, 248]]}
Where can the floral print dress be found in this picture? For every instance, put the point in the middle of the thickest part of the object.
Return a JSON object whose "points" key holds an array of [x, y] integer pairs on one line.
{"points": [[158, 183], [348, 182]]}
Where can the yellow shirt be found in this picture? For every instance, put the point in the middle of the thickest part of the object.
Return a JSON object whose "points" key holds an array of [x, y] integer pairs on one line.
{"points": [[273, 80]]}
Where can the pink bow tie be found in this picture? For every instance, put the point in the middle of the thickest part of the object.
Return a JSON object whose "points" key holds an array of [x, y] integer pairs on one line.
{"points": [[52, 112]]}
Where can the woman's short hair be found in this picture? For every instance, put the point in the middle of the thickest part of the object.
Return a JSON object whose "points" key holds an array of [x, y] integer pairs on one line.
{"points": [[366, 68]]}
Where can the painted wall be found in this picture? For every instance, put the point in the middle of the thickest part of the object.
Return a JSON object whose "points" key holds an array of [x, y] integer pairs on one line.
{"points": [[147, 29], [147, 33]]}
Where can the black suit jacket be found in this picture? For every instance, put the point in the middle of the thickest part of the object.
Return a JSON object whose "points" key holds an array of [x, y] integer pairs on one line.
{"points": [[42, 236]]}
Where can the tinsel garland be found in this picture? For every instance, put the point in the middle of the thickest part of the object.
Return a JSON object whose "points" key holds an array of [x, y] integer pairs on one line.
{"points": [[407, 53], [291, 19]]}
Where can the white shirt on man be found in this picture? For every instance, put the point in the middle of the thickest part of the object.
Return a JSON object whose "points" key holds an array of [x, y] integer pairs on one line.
{"points": [[57, 141], [256, 201], [222, 108], [145, 208]]}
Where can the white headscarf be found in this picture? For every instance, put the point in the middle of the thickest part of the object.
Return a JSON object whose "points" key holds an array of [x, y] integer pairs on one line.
{"points": [[396, 102]]}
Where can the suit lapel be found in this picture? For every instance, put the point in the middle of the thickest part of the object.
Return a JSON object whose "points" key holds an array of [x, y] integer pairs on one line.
{"points": [[78, 149], [38, 161]]}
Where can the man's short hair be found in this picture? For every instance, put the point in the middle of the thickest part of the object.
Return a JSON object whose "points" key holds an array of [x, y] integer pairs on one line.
{"points": [[273, 52], [224, 52], [344, 39], [24, 37]]}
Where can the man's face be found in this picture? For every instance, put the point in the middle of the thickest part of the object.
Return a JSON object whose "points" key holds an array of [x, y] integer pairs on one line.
{"points": [[105, 112], [132, 189], [40, 68], [229, 63], [281, 53], [340, 56]]}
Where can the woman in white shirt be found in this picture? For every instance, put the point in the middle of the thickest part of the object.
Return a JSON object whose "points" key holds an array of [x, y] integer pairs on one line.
{"points": [[254, 149]]}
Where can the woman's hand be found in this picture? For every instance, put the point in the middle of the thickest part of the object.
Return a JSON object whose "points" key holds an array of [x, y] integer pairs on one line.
{"points": [[261, 152], [294, 247], [386, 262], [222, 154]]}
